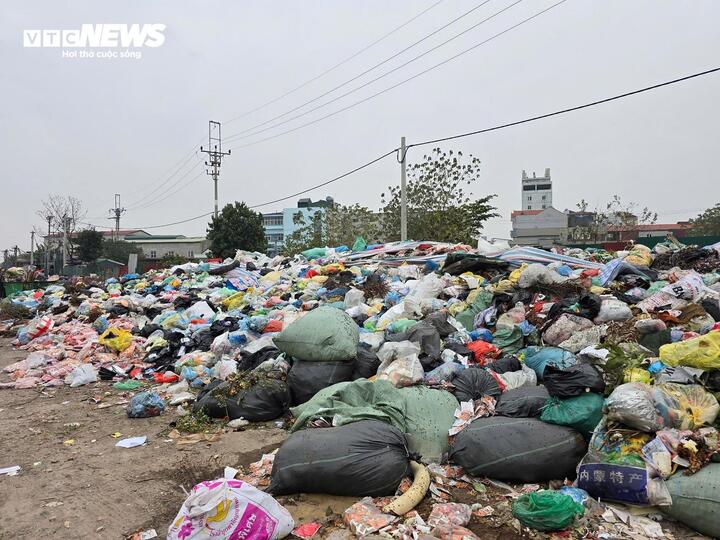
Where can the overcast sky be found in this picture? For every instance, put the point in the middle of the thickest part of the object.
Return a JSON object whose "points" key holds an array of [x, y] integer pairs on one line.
{"points": [[95, 127]]}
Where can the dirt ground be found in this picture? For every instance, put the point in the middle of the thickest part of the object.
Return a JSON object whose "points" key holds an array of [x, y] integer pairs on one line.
{"points": [[88, 488], [74, 483]]}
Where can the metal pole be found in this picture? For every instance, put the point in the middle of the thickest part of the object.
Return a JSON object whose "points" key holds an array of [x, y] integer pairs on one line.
{"points": [[47, 248], [403, 190], [64, 258], [215, 181], [32, 248]]}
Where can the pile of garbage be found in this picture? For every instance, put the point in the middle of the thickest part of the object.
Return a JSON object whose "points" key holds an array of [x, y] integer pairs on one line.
{"points": [[593, 373]]}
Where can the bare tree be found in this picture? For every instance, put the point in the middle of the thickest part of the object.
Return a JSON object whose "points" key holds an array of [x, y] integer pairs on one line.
{"points": [[615, 215], [65, 213]]}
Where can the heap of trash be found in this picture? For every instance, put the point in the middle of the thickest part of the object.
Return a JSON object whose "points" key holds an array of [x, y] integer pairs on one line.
{"points": [[577, 383]]}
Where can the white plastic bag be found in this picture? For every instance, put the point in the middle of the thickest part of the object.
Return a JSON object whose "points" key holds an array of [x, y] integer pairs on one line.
{"points": [[83, 374], [199, 310], [354, 298], [227, 509], [221, 345], [613, 309], [373, 340], [224, 368], [400, 363]]}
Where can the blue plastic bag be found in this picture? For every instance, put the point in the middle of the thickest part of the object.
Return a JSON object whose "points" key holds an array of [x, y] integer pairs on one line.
{"points": [[145, 405]]}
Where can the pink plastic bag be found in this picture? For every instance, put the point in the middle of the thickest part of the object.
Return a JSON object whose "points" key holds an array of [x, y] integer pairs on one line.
{"points": [[226, 509]]}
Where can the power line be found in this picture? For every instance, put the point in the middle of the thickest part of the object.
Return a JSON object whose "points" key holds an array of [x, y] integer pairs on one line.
{"points": [[332, 68], [183, 159], [481, 4], [570, 109], [151, 194], [356, 169], [461, 135], [164, 196], [372, 96]]}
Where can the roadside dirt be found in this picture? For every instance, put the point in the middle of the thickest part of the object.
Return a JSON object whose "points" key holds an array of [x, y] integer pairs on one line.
{"points": [[89, 488]]}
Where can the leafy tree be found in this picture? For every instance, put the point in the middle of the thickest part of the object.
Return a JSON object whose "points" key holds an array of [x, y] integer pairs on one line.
{"points": [[237, 227], [707, 223], [438, 206], [89, 244], [334, 226], [306, 235], [119, 250], [615, 213]]}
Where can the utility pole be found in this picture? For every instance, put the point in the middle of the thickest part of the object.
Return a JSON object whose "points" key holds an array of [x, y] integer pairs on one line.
{"points": [[32, 248], [65, 228], [5, 256], [47, 248], [116, 213], [215, 155], [403, 190], [15, 254]]}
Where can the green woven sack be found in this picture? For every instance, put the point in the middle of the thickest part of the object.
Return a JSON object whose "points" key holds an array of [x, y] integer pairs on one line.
{"points": [[582, 413], [546, 510], [326, 334]]}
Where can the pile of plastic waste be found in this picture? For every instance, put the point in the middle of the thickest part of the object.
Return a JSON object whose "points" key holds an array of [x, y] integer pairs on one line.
{"points": [[599, 370]]}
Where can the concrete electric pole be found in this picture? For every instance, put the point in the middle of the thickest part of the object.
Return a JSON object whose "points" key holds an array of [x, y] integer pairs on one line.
{"points": [[215, 155], [116, 213], [32, 248], [47, 248], [403, 190]]}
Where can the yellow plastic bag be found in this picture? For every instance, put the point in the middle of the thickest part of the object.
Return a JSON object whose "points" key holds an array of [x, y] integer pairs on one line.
{"points": [[637, 375], [640, 255], [234, 301], [116, 339], [515, 274], [685, 406], [702, 352]]}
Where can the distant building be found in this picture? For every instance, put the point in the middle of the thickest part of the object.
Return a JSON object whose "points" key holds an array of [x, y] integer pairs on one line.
{"points": [[55, 239], [625, 233], [536, 191], [171, 245], [541, 228], [280, 225]]}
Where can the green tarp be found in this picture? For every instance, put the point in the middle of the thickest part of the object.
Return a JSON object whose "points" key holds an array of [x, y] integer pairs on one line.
{"points": [[423, 414]]}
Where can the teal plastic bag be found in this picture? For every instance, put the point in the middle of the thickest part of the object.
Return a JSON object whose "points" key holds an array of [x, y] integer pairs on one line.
{"points": [[582, 413], [314, 253], [546, 510], [360, 244]]}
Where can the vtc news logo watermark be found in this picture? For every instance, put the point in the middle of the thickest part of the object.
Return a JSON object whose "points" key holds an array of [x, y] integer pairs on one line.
{"points": [[79, 42]]}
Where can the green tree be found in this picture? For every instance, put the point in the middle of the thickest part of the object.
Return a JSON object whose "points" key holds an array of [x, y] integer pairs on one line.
{"points": [[439, 207], [707, 223], [308, 233], [335, 226], [120, 250], [89, 243], [237, 227]]}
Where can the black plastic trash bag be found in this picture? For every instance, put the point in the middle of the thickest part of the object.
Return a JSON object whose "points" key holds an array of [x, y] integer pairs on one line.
{"points": [[248, 362], [366, 364], [474, 383], [267, 400], [522, 450], [523, 402], [366, 458], [306, 379], [504, 365], [573, 381]]}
